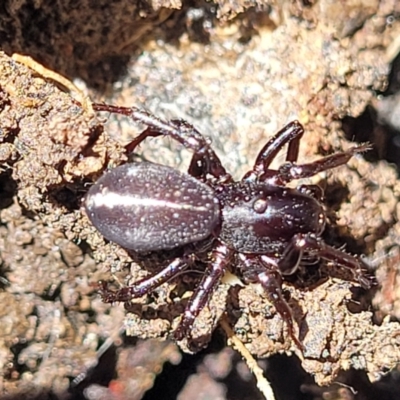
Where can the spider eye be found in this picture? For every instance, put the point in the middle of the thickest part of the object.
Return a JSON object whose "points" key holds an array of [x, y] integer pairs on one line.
{"points": [[260, 205]]}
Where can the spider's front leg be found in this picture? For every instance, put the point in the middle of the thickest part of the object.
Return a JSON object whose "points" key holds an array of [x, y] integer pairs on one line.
{"points": [[181, 131], [290, 171], [291, 133]]}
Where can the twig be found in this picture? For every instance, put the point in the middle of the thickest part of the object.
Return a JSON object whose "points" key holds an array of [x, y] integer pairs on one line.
{"points": [[56, 77], [262, 383]]}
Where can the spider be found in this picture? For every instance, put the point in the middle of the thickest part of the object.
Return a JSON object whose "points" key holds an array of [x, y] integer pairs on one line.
{"points": [[257, 227]]}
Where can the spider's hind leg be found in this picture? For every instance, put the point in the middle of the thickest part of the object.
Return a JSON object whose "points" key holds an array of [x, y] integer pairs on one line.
{"points": [[220, 259], [145, 285], [179, 130]]}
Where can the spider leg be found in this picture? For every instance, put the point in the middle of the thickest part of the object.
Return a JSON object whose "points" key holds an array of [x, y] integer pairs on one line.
{"points": [[290, 171], [145, 285], [203, 164], [263, 270], [197, 168], [181, 131], [291, 133], [220, 259], [313, 245], [149, 132]]}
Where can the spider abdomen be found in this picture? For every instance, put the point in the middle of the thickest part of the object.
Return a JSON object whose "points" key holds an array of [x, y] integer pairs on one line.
{"points": [[149, 207], [261, 218]]}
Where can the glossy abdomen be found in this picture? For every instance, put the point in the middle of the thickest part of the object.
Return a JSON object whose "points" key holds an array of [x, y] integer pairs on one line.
{"points": [[148, 207]]}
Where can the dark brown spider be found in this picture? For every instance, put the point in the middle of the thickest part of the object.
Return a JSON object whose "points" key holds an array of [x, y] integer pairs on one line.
{"points": [[257, 227]]}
